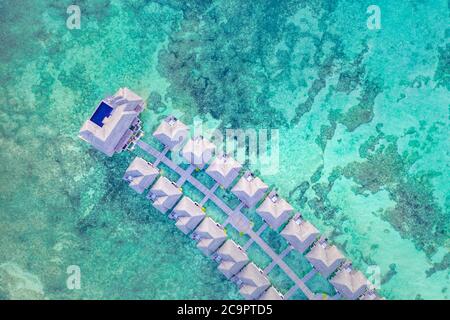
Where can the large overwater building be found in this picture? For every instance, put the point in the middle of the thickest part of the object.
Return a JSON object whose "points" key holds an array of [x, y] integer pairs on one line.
{"points": [[114, 125]]}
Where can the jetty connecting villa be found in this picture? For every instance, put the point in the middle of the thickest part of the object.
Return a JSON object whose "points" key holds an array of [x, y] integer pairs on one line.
{"points": [[115, 126]]}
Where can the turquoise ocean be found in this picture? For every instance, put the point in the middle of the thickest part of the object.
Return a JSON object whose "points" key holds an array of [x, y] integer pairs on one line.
{"points": [[362, 116]]}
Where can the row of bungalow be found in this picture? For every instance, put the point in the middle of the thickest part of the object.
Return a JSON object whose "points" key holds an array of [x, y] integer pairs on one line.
{"points": [[233, 261], [325, 258], [115, 126], [250, 190], [210, 236]]}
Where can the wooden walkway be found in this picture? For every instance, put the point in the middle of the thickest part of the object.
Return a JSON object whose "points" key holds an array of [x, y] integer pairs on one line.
{"points": [[235, 217]]}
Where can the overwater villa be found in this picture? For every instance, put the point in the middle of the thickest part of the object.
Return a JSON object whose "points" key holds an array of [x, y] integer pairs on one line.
{"points": [[250, 189], [271, 294], [231, 258], [325, 258], [198, 151], [350, 283], [274, 210], [114, 126], [164, 194], [252, 282], [209, 236], [188, 214], [300, 233], [171, 132], [224, 169], [140, 174]]}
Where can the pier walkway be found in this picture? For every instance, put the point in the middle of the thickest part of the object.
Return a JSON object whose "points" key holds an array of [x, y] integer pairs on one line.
{"points": [[250, 190], [235, 217]]}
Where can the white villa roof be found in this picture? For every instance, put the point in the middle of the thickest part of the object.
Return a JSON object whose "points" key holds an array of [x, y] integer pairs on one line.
{"points": [[224, 170], [188, 215], [254, 282], [326, 258], [300, 234], [111, 121], [350, 283], [233, 258], [164, 194], [249, 189], [140, 174], [371, 295], [271, 294], [274, 210], [171, 132], [211, 236], [198, 151]]}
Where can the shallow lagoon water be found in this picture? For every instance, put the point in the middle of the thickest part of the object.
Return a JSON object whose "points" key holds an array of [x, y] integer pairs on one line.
{"points": [[362, 117]]}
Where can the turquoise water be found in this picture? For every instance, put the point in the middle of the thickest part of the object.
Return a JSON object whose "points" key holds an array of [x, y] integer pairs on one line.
{"points": [[362, 117]]}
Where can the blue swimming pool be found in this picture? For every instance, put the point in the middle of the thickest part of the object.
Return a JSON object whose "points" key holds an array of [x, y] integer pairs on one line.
{"points": [[103, 111]]}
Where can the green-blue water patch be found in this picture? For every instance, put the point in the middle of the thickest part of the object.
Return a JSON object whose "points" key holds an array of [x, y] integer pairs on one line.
{"points": [[274, 240], [258, 256], [227, 197], [204, 178], [239, 237], [319, 284], [192, 192], [298, 295], [255, 218], [153, 142], [167, 172], [298, 263], [280, 279], [216, 213]]}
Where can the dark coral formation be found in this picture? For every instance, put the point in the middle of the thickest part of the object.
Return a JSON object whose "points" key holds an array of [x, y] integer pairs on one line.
{"points": [[416, 214], [440, 266], [363, 112], [442, 75], [211, 61]]}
